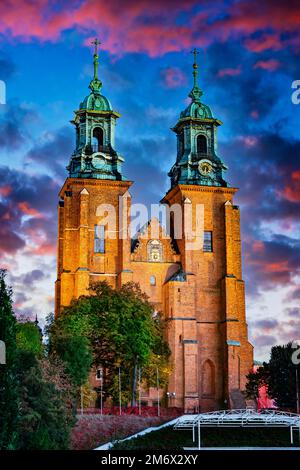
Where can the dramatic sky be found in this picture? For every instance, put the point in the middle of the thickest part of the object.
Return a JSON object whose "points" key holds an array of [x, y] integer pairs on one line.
{"points": [[249, 57]]}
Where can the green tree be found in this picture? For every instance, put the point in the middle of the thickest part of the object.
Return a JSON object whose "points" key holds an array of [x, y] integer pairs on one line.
{"points": [[29, 338], [255, 380], [46, 403], [76, 355], [68, 340], [279, 375], [9, 405], [121, 329], [282, 376]]}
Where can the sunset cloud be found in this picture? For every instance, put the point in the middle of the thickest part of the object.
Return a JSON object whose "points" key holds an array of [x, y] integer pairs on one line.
{"points": [[173, 77], [270, 64]]}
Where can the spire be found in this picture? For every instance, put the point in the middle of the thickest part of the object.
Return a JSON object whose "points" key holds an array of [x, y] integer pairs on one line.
{"points": [[196, 92], [96, 84]]}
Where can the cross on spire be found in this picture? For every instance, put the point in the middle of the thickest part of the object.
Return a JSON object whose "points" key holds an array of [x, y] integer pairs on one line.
{"points": [[196, 92], [96, 43], [96, 84], [195, 52]]}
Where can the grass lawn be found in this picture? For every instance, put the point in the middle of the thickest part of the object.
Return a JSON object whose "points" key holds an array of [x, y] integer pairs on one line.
{"points": [[167, 438]]}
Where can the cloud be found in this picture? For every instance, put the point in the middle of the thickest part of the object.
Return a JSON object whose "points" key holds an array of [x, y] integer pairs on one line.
{"points": [[292, 192], [27, 212], [270, 64], [229, 72], [53, 151], [156, 28], [276, 263], [293, 311], [265, 340], [173, 77], [13, 131], [264, 41], [266, 325]]}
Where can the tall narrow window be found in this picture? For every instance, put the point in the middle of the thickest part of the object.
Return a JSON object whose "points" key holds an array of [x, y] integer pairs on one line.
{"points": [[201, 144], [97, 142], [180, 144], [99, 239], [152, 281], [207, 242]]}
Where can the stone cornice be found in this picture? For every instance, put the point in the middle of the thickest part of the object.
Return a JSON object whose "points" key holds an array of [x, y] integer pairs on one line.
{"points": [[85, 182], [195, 188]]}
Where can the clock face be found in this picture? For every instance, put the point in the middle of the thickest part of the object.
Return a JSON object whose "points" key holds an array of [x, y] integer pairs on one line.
{"points": [[205, 168]]}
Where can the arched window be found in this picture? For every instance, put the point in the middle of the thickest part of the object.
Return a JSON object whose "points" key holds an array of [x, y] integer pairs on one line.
{"points": [[201, 144], [208, 379], [152, 281], [97, 142], [154, 251]]}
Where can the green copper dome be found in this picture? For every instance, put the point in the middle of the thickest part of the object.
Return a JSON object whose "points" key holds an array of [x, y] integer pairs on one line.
{"points": [[96, 102], [197, 110]]}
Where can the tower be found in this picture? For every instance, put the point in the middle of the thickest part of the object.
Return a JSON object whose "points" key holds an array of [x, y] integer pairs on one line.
{"points": [[205, 300], [90, 201]]}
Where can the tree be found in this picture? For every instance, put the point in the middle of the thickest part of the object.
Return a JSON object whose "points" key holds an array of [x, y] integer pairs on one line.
{"points": [[279, 375], [282, 376], [72, 346], [29, 337], [122, 330], [255, 380], [9, 406], [46, 416]]}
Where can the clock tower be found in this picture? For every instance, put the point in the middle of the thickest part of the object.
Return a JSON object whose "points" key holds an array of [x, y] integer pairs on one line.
{"points": [[205, 300], [197, 161], [90, 242]]}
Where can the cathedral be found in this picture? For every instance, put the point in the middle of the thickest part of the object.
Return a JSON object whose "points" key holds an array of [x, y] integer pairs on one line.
{"points": [[192, 274]]}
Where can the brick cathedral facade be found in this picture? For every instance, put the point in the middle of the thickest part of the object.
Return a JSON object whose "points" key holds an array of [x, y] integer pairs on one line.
{"points": [[194, 278]]}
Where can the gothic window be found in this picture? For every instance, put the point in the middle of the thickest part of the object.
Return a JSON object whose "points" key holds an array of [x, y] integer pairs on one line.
{"points": [[207, 242], [208, 379], [152, 281], [99, 239], [201, 144], [154, 251], [97, 142]]}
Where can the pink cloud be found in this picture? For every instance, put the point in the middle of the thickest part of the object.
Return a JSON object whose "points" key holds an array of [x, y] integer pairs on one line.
{"points": [[292, 191], [152, 27], [27, 210], [248, 140], [173, 77], [231, 72], [5, 190], [45, 249], [264, 42], [270, 64], [254, 114]]}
